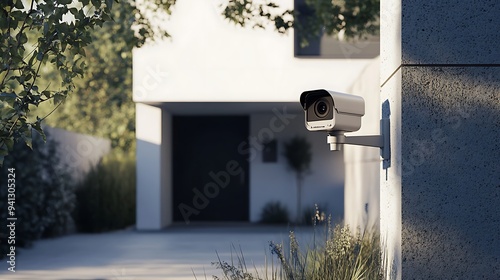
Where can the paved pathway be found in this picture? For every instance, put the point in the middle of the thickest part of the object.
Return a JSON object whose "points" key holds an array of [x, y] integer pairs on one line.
{"points": [[174, 253]]}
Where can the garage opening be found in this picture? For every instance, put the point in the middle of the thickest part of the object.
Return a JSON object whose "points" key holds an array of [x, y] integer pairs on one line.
{"points": [[210, 176]]}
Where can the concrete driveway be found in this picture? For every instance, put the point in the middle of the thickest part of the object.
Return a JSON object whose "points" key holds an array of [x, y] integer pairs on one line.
{"points": [[174, 253]]}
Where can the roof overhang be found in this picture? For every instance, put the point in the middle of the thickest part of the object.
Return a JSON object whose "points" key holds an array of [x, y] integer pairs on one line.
{"points": [[226, 108]]}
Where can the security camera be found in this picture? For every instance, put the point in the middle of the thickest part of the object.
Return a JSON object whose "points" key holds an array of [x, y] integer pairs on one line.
{"points": [[337, 113], [332, 111]]}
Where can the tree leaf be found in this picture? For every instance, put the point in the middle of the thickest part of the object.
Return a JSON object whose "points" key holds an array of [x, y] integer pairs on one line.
{"points": [[19, 4], [37, 126], [29, 142], [109, 4], [65, 2], [4, 96]]}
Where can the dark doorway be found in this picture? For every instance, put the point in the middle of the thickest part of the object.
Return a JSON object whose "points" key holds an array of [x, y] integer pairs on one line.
{"points": [[210, 176]]}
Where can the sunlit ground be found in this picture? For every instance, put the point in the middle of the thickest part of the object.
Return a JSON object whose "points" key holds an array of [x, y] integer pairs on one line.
{"points": [[174, 253]]}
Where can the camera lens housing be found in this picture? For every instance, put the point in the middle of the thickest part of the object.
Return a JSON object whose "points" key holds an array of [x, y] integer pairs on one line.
{"points": [[321, 108]]}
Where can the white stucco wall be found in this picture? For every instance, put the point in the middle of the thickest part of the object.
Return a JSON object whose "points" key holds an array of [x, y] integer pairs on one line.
{"points": [[362, 164], [153, 168], [275, 182], [210, 59]]}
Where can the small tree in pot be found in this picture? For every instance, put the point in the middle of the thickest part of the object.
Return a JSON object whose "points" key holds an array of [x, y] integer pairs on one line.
{"points": [[298, 155]]}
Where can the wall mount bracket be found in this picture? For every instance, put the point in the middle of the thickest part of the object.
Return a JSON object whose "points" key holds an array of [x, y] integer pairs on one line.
{"points": [[337, 140]]}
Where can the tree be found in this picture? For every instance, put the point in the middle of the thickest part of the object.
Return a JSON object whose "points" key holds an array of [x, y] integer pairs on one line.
{"points": [[102, 104], [354, 18], [57, 40], [298, 155], [49, 34]]}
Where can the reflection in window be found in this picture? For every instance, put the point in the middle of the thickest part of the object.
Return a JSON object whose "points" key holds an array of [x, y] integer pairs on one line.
{"points": [[322, 45]]}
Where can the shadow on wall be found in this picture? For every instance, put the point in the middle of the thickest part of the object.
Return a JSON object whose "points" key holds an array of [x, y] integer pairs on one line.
{"points": [[79, 151], [450, 172]]}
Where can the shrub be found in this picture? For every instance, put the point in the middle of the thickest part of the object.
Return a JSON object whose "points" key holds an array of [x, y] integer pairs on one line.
{"points": [[274, 213], [342, 256], [106, 196], [44, 197]]}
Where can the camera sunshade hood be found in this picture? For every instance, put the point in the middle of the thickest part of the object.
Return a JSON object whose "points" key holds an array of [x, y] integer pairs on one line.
{"points": [[344, 103]]}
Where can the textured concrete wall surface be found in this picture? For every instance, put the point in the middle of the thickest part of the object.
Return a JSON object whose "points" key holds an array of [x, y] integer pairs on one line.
{"points": [[450, 32], [440, 80], [450, 173]]}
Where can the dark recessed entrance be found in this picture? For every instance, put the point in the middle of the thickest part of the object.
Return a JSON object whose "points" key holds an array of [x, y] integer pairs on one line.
{"points": [[210, 176]]}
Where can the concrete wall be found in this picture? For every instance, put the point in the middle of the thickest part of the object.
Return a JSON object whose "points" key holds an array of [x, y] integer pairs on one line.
{"points": [[440, 85], [210, 59], [79, 152], [362, 164], [275, 182]]}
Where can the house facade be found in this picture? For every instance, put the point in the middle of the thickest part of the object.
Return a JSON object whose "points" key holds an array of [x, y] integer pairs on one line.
{"points": [[215, 105]]}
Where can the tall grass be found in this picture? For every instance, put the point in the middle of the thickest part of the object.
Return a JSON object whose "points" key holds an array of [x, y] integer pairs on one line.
{"points": [[106, 196], [341, 255]]}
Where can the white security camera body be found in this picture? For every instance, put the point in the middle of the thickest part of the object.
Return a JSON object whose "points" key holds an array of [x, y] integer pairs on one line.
{"points": [[332, 111]]}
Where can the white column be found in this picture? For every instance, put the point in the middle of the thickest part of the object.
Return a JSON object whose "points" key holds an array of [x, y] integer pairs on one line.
{"points": [[390, 174], [153, 168]]}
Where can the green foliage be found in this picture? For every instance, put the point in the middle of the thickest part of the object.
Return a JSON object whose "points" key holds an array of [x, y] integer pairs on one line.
{"points": [[242, 12], [274, 213], [106, 196], [56, 40], [44, 197], [44, 47], [355, 18], [342, 256], [102, 104]]}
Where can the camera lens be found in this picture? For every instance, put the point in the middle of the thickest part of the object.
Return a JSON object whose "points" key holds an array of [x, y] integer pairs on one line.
{"points": [[321, 108]]}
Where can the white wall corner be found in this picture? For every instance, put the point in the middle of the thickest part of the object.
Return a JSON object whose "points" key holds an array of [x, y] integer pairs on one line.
{"points": [[390, 38], [390, 101], [390, 182], [149, 185]]}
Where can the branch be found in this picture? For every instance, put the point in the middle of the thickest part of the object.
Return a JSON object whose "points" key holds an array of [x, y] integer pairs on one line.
{"points": [[50, 113]]}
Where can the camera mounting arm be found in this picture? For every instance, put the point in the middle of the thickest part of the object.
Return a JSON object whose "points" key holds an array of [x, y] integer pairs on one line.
{"points": [[337, 139]]}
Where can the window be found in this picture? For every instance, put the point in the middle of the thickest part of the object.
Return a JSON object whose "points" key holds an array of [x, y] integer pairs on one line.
{"points": [[325, 46]]}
